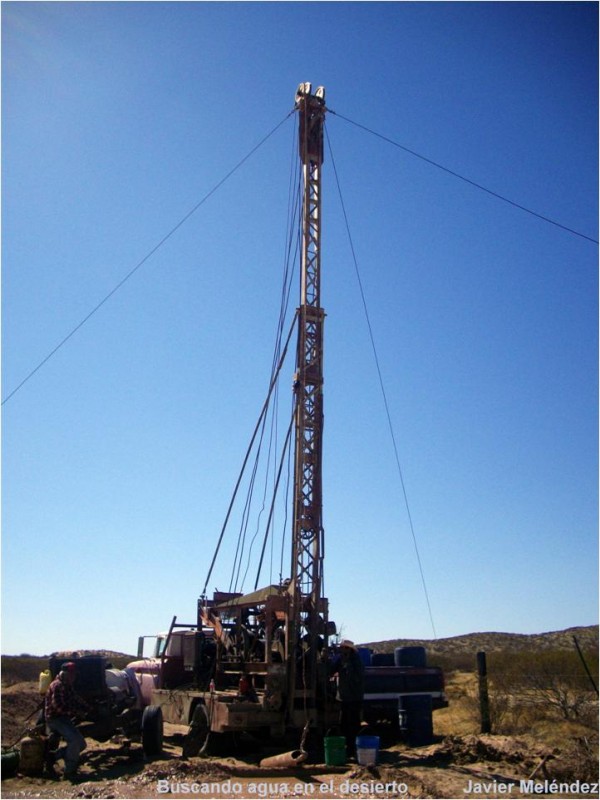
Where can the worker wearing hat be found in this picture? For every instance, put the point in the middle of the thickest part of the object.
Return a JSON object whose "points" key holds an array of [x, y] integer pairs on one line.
{"points": [[61, 704], [350, 689]]}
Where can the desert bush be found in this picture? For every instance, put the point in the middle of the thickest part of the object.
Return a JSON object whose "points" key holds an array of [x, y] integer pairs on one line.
{"points": [[507, 715], [551, 681], [452, 662], [578, 760], [16, 669], [527, 688]]}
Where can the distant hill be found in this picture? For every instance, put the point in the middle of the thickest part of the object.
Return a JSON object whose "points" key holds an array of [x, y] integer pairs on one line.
{"points": [[453, 652], [587, 637]]}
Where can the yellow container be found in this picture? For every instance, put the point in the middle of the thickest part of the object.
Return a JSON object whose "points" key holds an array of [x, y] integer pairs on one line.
{"points": [[45, 681]]}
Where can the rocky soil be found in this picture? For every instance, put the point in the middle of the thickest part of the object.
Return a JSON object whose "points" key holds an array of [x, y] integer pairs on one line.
{"points": [[454, 767]]}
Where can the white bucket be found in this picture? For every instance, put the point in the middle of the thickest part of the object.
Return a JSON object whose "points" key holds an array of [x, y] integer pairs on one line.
{"points": [[367, 748], [366, 757]]}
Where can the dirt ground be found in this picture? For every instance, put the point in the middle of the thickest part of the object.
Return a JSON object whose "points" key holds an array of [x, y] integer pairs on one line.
{"points": [[457, 766]]}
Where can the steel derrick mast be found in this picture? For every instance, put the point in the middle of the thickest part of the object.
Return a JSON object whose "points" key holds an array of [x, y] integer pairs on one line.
{"points": [[309, 616]]}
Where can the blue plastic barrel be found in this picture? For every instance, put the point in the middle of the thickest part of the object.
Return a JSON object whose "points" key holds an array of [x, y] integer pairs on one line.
{"points": [[418, 719], [415, 656], [364, 653], [382, 660]]}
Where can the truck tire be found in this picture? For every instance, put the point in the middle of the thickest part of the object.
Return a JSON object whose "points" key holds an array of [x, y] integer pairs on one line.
{"points": [[152, 730], [197, 737], [410, 657]]}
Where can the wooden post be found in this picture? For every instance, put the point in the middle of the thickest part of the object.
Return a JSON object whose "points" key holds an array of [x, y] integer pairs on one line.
{"points": [[585, 666], [484, 699]]}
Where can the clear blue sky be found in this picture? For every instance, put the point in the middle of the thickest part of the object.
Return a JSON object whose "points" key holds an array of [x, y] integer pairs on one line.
{"points": [[120, 454]]}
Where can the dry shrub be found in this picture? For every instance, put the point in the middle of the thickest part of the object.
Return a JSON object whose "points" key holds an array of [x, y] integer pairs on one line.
{"points": [[17, 669], [577, 760], [527, 690], [545, 685], [507, 715]]}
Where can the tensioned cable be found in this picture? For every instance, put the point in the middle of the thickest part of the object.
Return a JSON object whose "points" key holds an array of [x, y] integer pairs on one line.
{"points": [[250, 493], [275, 489], [235, 573], [272, 387], [248, 451], [124, 280], [294, 201], [293, 208], [463, 178], [292, 259], [382, 386], [286, 505]]}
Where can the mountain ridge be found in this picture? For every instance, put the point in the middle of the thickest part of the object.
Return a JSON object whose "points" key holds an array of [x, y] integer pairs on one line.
{"points": [[497, 641]]}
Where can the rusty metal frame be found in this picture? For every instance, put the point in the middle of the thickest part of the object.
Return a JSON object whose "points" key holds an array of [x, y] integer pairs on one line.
{"points": [[307, 527]]}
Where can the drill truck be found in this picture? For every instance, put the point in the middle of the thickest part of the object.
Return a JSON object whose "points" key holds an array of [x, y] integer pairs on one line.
{"points": [[263, 656], [260, 662]]}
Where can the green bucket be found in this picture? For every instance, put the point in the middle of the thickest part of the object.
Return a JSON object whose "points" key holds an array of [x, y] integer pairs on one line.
{"points": [[10, 762], [335, 751]]}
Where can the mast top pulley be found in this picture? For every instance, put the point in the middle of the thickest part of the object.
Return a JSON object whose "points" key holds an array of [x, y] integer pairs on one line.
{"points": [[312, 113]]}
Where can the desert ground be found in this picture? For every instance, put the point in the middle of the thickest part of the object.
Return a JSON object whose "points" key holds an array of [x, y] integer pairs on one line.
{"points": [[537, 748]]}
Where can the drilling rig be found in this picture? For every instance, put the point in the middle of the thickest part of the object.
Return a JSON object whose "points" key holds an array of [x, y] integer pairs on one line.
{"points": [[287, 626], [262, 658], [259, 662]]}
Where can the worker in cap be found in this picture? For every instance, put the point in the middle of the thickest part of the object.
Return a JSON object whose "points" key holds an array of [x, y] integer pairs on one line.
{"points": [[62, 703], [350, 690]]}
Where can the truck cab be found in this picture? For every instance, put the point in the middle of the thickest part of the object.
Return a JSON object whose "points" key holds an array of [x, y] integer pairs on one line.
{"points": [[179, 657]]}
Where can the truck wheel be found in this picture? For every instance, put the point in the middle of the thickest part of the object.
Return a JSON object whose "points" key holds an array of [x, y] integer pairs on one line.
{"points": [[197, 738], [152, 730]]}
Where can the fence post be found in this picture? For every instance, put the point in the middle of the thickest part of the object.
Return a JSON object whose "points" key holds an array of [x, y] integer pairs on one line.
{"points": [[484, 699], [585, 666]]}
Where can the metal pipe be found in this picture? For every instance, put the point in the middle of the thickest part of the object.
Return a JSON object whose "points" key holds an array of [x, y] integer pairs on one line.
{"points": [[284, 760]]}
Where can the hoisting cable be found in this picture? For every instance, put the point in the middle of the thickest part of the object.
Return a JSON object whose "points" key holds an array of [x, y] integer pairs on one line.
{"points": [[241, 543], [382, 386], [275, 488], [249, 496], [293, 211], [285, 506], [463, 178], [249, 450], [148, 255], [294, 201], [292, 258], [273, 434]]}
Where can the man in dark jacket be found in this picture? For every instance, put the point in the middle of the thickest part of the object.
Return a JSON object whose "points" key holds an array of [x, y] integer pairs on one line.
{"points": [[61, 704], [350, 690]]}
